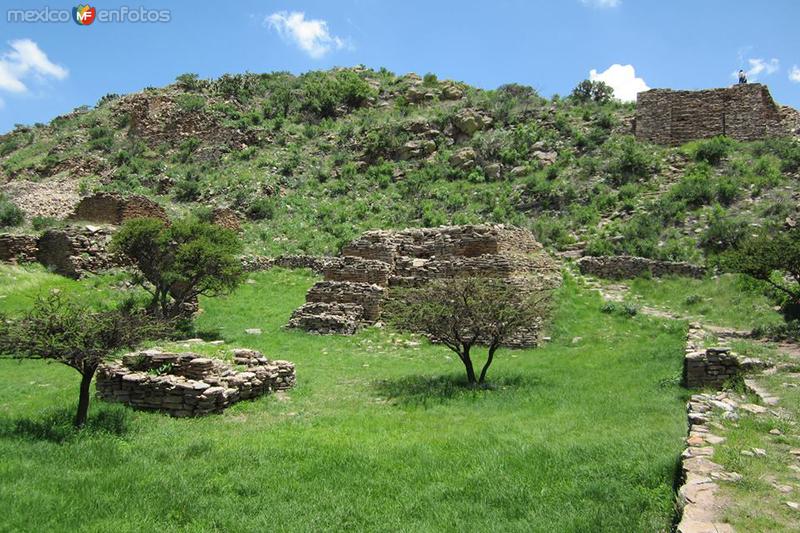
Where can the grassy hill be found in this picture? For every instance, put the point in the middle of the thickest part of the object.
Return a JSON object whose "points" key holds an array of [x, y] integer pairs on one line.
{"points": [[313, 160]]}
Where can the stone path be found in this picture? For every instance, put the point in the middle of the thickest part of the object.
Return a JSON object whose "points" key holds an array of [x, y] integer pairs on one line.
{"points": [[702, 506]]}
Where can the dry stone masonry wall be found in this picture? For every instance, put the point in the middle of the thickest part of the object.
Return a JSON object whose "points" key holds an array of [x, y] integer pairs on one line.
{"points": [[187, 384], [744, 112], [624, 267], [18, 248], [75, 251], [358, 283], [116, 209]]}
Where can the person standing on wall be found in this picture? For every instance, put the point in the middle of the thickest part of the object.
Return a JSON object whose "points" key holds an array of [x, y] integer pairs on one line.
{"points": [[742, 76]]}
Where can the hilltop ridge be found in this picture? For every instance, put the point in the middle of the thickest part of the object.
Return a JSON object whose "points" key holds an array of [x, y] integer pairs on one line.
{"points": [[311, 161]]}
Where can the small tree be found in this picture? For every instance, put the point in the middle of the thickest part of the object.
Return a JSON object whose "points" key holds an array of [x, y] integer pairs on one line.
{"points": [[464, 312], [773, 257], [61, 330], [179, 262], [592, 91]]}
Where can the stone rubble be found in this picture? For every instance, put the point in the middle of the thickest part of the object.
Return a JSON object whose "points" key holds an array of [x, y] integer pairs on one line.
{"points": [[188, 384]]}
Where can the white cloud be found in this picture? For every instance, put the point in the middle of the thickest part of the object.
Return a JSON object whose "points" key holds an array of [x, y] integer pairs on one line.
{"points": [[23, 60], [311, 36], [760, 66], [621, 78], [794, 74], [601, 4]]}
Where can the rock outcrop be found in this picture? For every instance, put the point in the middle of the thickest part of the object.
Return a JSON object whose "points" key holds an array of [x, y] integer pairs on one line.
{"points": [[373, 266]]}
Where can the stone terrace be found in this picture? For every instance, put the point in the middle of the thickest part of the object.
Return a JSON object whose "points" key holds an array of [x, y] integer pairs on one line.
{"points": [[357, 283], [187, 384]]}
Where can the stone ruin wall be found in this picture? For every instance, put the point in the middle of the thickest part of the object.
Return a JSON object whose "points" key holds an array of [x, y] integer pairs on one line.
{"points": [[17, 249], [116, 209], [187, 384], [76, 251], [626, 267], [357, 283], [743, 112]]}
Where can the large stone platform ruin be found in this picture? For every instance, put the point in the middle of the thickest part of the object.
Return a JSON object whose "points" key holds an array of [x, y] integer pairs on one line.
{"points": [[356, 284], [188, 384], [744, 112]]}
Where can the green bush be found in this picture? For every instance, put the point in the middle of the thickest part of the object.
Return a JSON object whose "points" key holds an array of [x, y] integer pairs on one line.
{"points": [[592, 91], [261, 209], [713, 150], [42, 223], [723, 232], [696, 188], [10, 214], [629, 160], [188, 189], [323, 92], [190, 102]]}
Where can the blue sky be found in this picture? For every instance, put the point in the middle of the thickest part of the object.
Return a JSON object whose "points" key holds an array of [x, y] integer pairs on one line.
{"points": [[47, 69]]}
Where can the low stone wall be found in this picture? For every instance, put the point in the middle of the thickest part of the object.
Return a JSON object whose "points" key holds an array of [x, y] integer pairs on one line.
{"points": [[256, 263], [18, 248], [75, 251], [114, 208], [366, 295], [357, 270], [443, 241], [710, 368], [187, 384], [626, 266]]}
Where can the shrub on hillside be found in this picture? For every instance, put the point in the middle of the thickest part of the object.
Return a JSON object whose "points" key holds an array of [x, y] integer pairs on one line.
{"points": [[773, 257], [592, 91], [696, 188], [261, 209], [711, 151], [189, 82], [10, 214], [723, 232], [629, 160], [324, 92]]}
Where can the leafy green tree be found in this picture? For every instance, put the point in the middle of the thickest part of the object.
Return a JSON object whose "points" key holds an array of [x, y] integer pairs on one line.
{"points": [[466, 312], [772, 257], [592, 91], [60, 329], [177, 263]]}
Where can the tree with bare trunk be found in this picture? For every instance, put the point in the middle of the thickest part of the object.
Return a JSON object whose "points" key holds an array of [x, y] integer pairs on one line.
{"points": [[63, 330], [463, 313]]}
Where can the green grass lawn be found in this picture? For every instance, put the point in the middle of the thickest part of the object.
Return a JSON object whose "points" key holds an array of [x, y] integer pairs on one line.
{"points": [[583, 434], [728, 300]]}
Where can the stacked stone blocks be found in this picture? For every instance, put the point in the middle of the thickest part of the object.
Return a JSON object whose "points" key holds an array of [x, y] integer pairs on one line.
{"points": [[744, 112], [187, 384], [373, 266]]}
